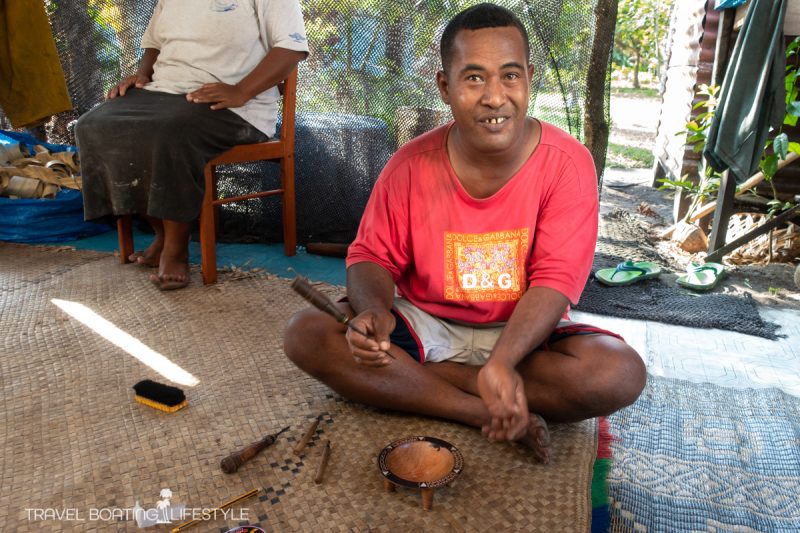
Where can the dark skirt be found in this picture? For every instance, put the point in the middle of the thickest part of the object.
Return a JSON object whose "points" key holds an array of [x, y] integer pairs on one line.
{"points": [[144, 153]]}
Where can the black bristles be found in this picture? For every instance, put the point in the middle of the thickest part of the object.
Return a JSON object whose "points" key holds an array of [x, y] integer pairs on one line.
{"points": [[158, 392]]}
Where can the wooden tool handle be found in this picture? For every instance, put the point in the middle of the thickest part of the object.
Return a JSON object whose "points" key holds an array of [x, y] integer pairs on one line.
{"points": [[307, 437], [326, 452], [317, 299], [231, 464], [325, 304]]}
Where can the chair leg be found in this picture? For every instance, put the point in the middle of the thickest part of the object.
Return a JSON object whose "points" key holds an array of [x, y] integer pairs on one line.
{"points": [[208, 237], [289, 216], [125, 238]]}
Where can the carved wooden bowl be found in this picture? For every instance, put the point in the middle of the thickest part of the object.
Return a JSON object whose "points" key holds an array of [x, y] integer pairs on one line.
{"points": [[423, 463]]}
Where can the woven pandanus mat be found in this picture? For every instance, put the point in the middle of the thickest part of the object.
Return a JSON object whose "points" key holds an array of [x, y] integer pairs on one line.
{"points": [[78, 453], [22, 264]]}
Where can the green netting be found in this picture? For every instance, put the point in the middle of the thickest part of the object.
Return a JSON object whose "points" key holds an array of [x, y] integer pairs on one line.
{"points": [[367, 85]]}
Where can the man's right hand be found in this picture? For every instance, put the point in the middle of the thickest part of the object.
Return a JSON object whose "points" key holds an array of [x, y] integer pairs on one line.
{"points": [[371, 350], [137, 80], [503, 392]]}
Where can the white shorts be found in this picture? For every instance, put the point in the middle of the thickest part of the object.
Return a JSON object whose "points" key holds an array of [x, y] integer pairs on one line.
{"points": [[430, 339]]}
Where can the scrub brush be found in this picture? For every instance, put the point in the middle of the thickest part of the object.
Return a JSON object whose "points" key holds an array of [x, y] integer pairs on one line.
{"points": [[159, 396]]}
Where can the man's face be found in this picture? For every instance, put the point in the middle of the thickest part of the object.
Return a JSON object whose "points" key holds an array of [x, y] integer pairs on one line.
{"points": [[487, 86]]}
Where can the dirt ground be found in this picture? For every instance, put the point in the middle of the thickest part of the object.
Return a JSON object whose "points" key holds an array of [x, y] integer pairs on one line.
{"points": [[634, 120], [770, 284]]}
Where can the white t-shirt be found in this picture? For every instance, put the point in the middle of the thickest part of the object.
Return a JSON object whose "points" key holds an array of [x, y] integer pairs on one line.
{"points": [[209, 41]]}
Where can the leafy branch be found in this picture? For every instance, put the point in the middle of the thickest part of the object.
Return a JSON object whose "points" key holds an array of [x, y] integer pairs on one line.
{"points": [[696, 132], [779, 146]]}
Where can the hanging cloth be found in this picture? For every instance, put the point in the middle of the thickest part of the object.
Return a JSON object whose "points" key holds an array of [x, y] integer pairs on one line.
{"points": [[32, 86], [752, 97]]}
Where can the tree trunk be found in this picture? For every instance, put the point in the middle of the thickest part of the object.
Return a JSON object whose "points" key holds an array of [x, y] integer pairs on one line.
{"points": [[636, 66], [395, 49], [595, 123], [657, 37]]}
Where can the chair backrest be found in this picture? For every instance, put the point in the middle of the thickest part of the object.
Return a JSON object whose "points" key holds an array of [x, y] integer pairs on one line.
{"points": [[289, 90], [274, 148]]}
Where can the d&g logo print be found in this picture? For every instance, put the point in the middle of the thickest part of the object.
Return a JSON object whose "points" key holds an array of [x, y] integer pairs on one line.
{"points": [[485, 267]]}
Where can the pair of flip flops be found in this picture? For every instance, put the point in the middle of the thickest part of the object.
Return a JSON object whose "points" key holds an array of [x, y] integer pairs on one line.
{"points": [[698, 277]]}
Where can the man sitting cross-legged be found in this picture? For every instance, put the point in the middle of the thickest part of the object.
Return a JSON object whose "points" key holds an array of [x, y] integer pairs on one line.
{"points": [[485, 228]]}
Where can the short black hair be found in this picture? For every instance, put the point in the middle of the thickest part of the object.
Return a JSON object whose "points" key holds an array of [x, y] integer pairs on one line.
{"points": [[477, 17]]}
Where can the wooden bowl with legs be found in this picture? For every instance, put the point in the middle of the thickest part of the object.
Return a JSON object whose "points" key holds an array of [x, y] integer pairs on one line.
{"points": [[418, 462]]}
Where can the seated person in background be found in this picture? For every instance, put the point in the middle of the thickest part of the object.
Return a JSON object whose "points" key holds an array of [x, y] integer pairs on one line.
{"points": [[485, 228], [206, 82]]}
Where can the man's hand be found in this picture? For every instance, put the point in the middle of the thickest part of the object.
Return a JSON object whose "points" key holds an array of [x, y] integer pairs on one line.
{"points": [[370, 350], [221, 95], [503, 392], [137, 80]]}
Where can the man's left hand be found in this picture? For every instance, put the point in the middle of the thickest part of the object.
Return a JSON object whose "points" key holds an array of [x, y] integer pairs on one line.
{"points": [[222, 95], [503, 392]]}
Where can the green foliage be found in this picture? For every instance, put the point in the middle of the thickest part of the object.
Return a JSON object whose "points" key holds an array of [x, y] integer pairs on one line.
{"points": [[776, 149], [641, 92], [621, 156], [641, 32], [372, 56], [778, 146], [346, 59]]}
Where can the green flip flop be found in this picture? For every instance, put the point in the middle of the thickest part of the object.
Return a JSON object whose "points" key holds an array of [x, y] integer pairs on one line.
{"points": [[627, 273], [701, 277]]}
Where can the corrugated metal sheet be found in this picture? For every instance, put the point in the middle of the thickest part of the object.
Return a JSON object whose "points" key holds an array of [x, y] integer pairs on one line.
{"points": [[691, 61]]}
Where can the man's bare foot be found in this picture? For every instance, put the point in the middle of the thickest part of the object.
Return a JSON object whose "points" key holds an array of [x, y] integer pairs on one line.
{"points": [[150, 256], [145, 258], [173, 273], [537, 438]]}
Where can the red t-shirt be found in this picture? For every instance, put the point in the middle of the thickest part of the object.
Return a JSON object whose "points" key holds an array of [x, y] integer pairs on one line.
{"points": [[468, 259]]}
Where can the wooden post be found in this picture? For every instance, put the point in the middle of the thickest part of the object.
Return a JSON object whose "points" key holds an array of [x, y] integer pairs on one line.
{"points": [[125, 238], [719, 229]]}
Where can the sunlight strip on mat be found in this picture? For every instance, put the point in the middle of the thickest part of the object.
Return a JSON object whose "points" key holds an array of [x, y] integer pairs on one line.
{"points": [[130, 344]]}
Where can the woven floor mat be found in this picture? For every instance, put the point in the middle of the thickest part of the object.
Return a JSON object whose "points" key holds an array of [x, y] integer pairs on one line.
{"points": [[74, 441], [701, 457], [50, 261]]}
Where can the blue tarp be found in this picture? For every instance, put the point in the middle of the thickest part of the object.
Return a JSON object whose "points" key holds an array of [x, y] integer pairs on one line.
{"points": [[44, 220], [29, 141]]}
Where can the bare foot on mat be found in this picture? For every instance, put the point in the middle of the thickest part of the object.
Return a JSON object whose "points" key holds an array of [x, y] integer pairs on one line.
{"points": [[173, 273], [143, 258], [538, 438], [150, 256]]}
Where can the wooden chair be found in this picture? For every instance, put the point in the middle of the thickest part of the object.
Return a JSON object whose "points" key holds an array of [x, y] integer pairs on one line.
{"points": [[281, 149]]}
